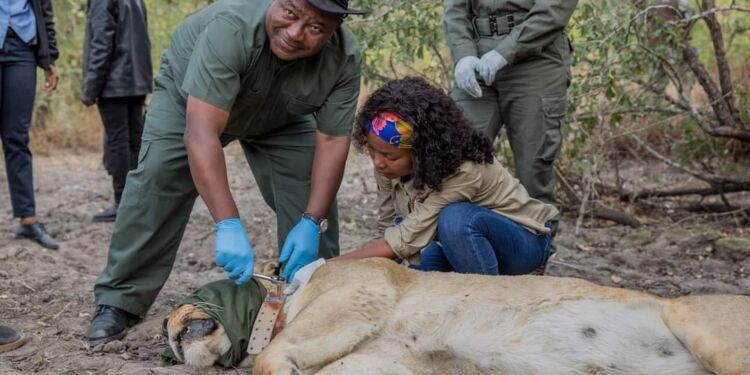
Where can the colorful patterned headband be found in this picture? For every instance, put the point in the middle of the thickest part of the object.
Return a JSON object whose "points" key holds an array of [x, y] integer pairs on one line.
{"points": [[391, 128]]}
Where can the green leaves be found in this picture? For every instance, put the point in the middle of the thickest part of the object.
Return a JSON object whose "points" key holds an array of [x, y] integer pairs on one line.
{"points": [[402, 38]]}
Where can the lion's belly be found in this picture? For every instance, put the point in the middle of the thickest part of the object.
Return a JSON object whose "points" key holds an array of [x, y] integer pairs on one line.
{"points": [[567, 337]]}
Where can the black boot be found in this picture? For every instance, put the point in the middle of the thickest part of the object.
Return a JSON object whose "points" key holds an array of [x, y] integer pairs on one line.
{"points": [[109, 324], [36, 232], [108, 215], [552, 249], [10, 339]]}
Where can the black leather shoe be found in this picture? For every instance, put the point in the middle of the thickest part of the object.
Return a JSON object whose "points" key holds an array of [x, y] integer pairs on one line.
{"points": [[108, 215], [37, 233], [8, 335], [10, 339], [109, 324]]}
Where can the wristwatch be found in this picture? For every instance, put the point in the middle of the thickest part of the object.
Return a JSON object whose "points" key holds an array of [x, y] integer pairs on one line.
{"points": [[322, 223]]}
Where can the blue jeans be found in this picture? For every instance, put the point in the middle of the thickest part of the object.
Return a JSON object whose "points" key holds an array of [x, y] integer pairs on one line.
{"points": [[474, 239], [17, 91]]}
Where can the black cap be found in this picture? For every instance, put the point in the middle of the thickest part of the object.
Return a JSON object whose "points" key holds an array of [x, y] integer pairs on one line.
{"points": [[335, 6]]}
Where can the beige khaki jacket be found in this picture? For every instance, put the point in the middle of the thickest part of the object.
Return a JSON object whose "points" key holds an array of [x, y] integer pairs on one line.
{"points": [[409, 217]]}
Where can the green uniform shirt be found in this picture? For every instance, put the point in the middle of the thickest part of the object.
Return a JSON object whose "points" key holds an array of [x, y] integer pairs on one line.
{"points": [[221, 55], [486, 185], [541, 23]]}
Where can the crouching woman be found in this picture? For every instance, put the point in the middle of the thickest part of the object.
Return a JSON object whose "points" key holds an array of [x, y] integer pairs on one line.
{"points": [[445, 202]]}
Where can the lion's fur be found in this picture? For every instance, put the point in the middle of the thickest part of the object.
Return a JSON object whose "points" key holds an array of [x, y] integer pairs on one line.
{"points": [[374, 316], [198, 353]]}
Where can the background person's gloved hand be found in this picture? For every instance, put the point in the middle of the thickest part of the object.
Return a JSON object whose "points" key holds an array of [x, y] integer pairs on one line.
{"points": [[302, 277], [490, 63], [234, 253], [300, 247], [466, 78]]}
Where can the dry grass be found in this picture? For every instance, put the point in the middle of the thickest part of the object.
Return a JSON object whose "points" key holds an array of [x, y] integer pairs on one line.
{"points": [[58, 135]]}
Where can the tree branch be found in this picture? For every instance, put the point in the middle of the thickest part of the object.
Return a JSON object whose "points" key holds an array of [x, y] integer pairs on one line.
{"points": [[717, 131], [714, 10], [718, 104], [725, 75], [680, 103], [596, 209], [443, 65], [708, 177], [393, 66], [633, 111], [668, 68], [705, 124], [678, 192]]}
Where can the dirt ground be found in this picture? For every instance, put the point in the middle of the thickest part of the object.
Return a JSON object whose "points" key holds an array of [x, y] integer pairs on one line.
{"points": [[48, 294]]}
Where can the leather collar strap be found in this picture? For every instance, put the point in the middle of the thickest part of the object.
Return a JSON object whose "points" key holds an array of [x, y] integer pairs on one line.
{"points": [[269, 321]]}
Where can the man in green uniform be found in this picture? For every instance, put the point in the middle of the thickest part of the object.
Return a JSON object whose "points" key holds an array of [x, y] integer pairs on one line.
{"points": [[520, 51], [281, 77]]}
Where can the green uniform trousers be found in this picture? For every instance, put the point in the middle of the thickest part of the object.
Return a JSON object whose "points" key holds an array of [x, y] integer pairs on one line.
{"points": [[529, 99], [159, 196]]}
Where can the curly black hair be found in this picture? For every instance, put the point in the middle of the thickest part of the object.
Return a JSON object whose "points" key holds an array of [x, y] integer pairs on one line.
{"points": [[442, 139]]}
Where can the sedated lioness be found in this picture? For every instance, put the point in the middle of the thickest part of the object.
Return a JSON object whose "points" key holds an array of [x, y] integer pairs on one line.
{"points": [[375, 317]]}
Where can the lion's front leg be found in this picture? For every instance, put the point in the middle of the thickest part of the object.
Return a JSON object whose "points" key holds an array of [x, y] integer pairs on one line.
{"points": [[328, 328]]}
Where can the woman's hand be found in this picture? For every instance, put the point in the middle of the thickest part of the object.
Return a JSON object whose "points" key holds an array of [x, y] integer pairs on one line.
{"points": [[50, 79]]}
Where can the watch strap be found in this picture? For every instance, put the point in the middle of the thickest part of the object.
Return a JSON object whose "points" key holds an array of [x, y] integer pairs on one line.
{"points": [[314, 219]]}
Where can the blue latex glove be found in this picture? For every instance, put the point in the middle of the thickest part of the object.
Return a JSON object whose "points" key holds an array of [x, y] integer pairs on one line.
{"points": [[300, 247], [234, 253], [466, 78], [490, 63]]}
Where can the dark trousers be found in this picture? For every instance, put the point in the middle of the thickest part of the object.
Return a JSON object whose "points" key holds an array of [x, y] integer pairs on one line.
{"points": [[529, 99], [123, 128], [17, 91]]}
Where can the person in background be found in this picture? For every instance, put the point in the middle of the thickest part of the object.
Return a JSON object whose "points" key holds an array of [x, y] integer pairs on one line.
{"points": [[27, 40], [117, 76], [520, 50], [444, 202]]}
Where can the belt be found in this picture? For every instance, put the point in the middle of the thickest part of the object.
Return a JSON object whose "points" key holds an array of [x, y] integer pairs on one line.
{"points": [[11, 33], [497, 24]]}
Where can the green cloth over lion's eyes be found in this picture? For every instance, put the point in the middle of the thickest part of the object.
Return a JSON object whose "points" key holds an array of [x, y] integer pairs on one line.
{"points": [[234, 306]]}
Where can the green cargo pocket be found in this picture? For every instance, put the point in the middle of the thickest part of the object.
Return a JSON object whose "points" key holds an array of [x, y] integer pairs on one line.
{"points": [[459, 95], [142, 153], [138, 170], [554, 118], [134, 182]]}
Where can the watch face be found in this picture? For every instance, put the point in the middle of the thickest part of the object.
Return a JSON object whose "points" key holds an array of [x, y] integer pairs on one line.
{"points": [[323, 225]]}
